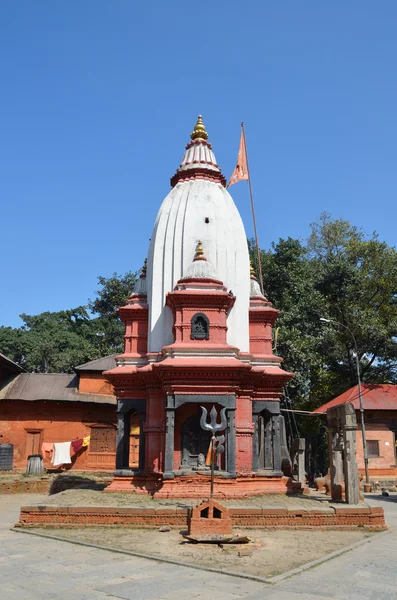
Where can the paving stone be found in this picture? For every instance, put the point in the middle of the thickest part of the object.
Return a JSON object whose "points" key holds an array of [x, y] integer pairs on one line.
{"points": [[33, 568]]}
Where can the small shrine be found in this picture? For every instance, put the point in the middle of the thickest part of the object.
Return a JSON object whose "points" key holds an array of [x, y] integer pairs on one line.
{"points": [[198, 333]]}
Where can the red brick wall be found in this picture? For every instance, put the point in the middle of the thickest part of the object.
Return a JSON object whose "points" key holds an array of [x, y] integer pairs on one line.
{"points": [[55, 422], [95, 383], [379, 431], [343, 517]]}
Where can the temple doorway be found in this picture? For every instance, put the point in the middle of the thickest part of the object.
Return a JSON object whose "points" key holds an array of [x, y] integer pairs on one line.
{"points": [[195, 442], [135, 432]]}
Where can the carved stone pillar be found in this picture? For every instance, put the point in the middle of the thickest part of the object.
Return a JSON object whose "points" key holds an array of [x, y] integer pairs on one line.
{"points": [[169, 441], [231, 442], [268, 445], [352, 489], [341, 422], [142, 442], [123, 441], [301, 461], [276, 443], [255, 443], [336, 465]]}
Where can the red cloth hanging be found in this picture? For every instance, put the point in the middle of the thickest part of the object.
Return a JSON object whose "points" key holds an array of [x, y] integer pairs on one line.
{"points": [[76, 445]]}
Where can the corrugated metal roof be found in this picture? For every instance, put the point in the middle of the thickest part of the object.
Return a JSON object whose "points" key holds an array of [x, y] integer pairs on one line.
{"points": [[58, 387], [382, 396], [100, 364], [10, 365]]}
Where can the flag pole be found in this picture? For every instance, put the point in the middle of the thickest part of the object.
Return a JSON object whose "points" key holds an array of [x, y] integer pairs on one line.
{"points": [[253, 214]]}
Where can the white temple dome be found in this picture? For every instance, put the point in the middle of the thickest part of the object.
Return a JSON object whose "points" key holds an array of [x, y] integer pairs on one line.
{"points": [[198, 208]]}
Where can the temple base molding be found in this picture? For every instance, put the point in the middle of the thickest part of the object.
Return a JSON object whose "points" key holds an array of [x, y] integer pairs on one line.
{"points": [[198, 486]]}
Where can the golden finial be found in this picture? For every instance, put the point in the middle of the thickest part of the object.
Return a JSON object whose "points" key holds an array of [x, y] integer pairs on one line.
{"points": [[199, 252], [199, 130], [252, 271], [143, 270]]}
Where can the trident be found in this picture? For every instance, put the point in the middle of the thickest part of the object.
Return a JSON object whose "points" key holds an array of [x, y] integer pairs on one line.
{"points": [[213, 426]]}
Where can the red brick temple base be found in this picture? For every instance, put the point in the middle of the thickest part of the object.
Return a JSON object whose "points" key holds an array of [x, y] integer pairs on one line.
{"points": [[198, 486], [332, 517]]}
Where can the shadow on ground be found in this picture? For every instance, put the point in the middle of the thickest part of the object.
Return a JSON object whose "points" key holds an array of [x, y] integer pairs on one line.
{"points": [[382, 498], [68, 482]]}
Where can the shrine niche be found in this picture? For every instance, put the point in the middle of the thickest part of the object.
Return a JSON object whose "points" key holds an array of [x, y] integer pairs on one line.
{"points": [[195, 443], [200, 327]]}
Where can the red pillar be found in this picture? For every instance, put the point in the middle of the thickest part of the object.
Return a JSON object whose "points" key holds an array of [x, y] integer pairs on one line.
{"points": [[244, 432], [154, 429]]}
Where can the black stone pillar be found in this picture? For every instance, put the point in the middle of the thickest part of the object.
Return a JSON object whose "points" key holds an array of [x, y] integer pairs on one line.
{"points": [[255, 443], [276, 443], [231, 441], [123, 441], [169, 438], [169, 443], [142, 442], [269, 457]]}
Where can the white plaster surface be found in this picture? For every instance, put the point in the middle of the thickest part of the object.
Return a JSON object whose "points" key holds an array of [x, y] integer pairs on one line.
{"points": [[180, 224]]}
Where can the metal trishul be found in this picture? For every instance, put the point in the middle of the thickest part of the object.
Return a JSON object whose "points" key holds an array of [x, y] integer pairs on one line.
{"points": [[213, 426]]}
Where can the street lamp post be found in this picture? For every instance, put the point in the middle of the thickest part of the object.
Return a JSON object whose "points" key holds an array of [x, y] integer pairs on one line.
{"points": [[359, 394]]}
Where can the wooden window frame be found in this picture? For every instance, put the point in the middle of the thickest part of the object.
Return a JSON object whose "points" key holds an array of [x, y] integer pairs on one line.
{"points": [[102, 426], [33, 430], [370, 455]]}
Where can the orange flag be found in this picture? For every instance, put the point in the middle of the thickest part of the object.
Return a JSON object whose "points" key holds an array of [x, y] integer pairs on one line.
{"points": [[240, 173]]}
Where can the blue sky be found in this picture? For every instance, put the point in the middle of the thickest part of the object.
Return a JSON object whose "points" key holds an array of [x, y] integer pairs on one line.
{"points": [[98, 99]]}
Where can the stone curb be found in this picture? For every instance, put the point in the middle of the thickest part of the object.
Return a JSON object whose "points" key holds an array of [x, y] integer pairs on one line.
{"points": [[268, 580]]}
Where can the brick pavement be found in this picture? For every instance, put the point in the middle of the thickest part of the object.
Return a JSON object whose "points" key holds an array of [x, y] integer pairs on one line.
{"points": [[34, 568]]}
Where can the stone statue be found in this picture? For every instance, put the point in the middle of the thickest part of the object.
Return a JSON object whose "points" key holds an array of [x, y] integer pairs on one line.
{"points": [[201, 461], [321, 483]]}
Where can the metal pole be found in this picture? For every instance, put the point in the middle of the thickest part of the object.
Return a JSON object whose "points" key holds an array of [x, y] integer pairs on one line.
{"points": [[362, 416], [360, 397], [253, 214], [212, 465]]}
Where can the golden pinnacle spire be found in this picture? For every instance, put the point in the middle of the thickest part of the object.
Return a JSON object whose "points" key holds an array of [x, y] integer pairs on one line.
{"points": [[199, 130], [143, 270], [199, 252], [252, 272]]}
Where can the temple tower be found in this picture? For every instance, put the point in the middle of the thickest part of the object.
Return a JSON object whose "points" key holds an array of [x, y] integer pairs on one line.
{"points": [[198, 207], [199, 333]]}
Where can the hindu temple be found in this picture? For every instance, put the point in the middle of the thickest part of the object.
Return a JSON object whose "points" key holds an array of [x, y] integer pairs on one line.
{"points": [[198, 333]]}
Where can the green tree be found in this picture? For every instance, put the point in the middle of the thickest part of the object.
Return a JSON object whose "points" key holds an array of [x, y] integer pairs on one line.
{"points": [[113, 293], [51, 342], [56, 342], [340, 274], [357, 275]]}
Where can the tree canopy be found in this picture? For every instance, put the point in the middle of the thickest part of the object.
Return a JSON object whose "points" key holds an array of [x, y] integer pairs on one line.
{"points": [[56, 342], [344, 276]]}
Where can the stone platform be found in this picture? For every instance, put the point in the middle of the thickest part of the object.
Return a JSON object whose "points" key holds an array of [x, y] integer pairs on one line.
{"points": [[197, 486]]}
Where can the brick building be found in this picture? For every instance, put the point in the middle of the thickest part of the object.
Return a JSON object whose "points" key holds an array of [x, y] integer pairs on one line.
{"points": [[380, 416], [58, 407]]}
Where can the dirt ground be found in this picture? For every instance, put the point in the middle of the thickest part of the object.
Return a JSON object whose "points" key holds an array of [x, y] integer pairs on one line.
{"points": [[90, 497], [268, 554]]}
